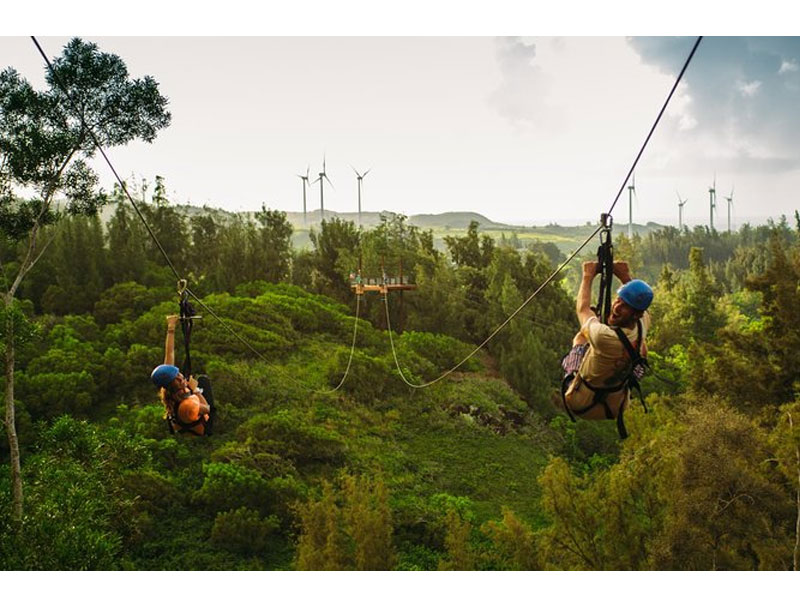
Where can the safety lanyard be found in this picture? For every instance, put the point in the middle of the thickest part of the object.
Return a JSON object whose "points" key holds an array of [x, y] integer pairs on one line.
{"points": [[605, 257], [187, 311]]}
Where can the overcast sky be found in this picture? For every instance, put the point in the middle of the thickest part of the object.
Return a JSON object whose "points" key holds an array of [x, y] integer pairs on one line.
{"points": [[518, 129]]}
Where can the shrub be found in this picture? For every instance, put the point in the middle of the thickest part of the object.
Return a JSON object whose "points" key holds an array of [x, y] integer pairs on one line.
{"points": [[243, 531]]}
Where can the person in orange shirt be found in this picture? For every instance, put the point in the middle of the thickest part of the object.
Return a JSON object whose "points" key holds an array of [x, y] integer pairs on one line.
{"points": [[188, 403]]}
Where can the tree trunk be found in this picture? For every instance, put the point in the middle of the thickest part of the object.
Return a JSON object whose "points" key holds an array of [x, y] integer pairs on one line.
{"points": [[10, 420], [796, 552]]}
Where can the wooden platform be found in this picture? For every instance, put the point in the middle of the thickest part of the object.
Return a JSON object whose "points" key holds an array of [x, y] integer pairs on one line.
{"points": [[382, 286]]}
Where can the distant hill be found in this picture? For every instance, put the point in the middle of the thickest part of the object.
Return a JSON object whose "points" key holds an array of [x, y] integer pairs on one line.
{"points": [[443, 224], [453, 220]]}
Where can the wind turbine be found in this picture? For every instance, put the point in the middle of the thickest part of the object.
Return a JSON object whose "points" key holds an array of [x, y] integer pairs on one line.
{"points": [[730, 201], [359, 177], [305, 185], [680, 211], [631, 191], [712, 198], [322, 176]]}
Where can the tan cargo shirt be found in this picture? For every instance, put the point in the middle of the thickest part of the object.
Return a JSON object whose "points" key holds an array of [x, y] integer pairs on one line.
{"points": [[606, 364]]}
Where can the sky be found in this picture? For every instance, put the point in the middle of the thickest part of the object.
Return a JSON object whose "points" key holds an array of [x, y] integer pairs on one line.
{"points": [[519, 129]]}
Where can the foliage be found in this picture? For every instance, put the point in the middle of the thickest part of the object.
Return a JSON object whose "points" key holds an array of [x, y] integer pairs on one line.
{"points": [[347, 528], [476, 472]]}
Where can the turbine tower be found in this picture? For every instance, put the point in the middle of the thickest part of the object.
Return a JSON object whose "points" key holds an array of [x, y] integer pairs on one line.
{"points": [[712, 199], [680, 211], [730, 201], [322, 176], [304, 178], [359, 177], [631, 192]]}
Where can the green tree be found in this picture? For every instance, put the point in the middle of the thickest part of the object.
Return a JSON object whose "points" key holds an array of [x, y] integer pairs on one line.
{"points": [[460, 556], [44, 145], [514, 544], [275, 240], [686, 310], [336, 249], [127, 243], [347, 528]]}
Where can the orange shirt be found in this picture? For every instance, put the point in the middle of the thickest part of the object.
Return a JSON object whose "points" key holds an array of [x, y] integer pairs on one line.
{"points": [[189, 411]]}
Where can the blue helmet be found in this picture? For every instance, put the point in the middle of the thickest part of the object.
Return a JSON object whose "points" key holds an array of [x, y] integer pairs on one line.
{"points": [[637, 294], [163, 375]]}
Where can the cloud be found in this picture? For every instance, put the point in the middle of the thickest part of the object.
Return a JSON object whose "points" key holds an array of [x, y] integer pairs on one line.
{"points": [[748, 89], [744, 91], [522, 96], [788, 66]]}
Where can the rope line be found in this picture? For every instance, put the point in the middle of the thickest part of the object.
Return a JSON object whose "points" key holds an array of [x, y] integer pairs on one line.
{"points": [[491, 335], [655, 124], [103, 153], [180, 279], [244, 341]]}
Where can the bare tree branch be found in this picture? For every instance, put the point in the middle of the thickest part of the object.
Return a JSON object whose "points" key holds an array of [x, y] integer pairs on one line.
{"points": [[26, 264], [38, 256]]}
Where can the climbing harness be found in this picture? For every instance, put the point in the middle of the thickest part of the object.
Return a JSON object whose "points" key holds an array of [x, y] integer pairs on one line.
{"points": [[630, 381]]}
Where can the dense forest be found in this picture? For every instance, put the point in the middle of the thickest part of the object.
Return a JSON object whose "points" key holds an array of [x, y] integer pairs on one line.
{"points": [[479, 471]]}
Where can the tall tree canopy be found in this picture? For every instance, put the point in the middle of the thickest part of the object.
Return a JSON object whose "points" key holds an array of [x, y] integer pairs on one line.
{"points": [[46, 138]]}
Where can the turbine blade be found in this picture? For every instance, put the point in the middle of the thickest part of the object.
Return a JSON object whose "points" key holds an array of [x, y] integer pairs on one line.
{"points": [[365, 172], [329, 181]]}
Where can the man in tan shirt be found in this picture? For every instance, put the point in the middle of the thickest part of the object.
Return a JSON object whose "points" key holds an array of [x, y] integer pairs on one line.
{"points": [[599, 365]]}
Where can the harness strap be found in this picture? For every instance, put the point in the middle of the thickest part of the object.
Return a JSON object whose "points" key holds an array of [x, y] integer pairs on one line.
{"points": [[605, 257], [636, 359], [601, 398], [187, 311], [565, 383], [623, 433]]}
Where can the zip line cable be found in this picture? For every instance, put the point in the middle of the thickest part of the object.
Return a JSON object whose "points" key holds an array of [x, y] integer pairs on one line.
{"points": [[124, 188], [491, 335], [655, 124], [561, 267]]}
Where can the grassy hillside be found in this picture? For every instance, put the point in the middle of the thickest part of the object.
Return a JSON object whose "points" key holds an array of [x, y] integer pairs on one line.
{"points": [[280, 433]]}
